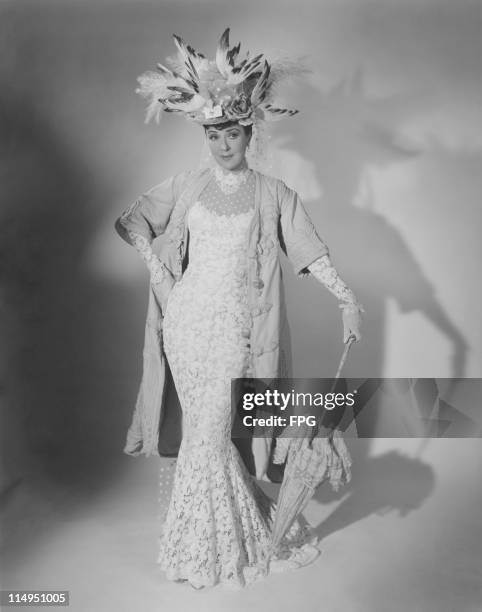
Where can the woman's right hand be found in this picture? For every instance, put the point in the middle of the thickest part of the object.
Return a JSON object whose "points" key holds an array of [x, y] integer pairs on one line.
{"points": [[162, 289], [161, 298]]}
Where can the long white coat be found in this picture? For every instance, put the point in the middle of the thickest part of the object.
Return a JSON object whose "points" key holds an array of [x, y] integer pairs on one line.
{"points": [[279, 222]]}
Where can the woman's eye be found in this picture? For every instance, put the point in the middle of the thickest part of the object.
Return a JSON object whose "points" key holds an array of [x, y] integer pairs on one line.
{"points": [[213, 137], [234, 135]]}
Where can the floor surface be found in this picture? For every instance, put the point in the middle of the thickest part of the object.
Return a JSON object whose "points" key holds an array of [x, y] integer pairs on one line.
{"points": [[406, 534]]}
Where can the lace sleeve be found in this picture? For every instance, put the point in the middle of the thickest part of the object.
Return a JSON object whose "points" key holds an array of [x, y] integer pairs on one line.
{"points": [[152, 261], [324, 271]]}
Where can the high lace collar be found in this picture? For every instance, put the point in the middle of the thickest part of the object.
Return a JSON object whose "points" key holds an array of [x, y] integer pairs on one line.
{"points": [[230, 181]]}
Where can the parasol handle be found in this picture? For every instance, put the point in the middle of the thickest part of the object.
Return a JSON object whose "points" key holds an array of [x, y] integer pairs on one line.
{"points": [[349, 342], [316, 429]]}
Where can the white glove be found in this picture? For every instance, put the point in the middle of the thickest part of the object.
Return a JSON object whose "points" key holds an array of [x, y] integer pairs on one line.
{"points": [[324, 271], [161, 279], [351, 315]]}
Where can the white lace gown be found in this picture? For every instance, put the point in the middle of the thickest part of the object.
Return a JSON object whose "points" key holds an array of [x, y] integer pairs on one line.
{"points": [[218, 523]]}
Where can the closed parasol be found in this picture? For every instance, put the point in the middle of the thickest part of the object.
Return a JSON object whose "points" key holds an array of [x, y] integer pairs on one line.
{"points": [[311, 460]]}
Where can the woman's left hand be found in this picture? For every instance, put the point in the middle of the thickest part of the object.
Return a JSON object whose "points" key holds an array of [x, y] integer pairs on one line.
{"points": [[351, 323]]}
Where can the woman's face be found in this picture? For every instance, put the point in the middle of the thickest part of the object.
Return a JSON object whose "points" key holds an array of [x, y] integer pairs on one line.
{"points": [[228, 145]]}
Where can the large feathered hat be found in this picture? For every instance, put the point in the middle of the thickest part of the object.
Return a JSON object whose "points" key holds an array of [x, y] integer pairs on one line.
{"points": [[228, 88]]}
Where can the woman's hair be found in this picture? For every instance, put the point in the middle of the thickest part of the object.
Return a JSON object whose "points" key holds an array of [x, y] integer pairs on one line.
{"points": [[248, 129]]}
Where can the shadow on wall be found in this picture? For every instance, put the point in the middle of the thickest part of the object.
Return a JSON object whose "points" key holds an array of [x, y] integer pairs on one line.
{"points": [[61, 433], [346, 133]]}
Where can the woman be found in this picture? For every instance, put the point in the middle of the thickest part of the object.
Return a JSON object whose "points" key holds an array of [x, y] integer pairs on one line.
{"points": [[219, 294]]}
